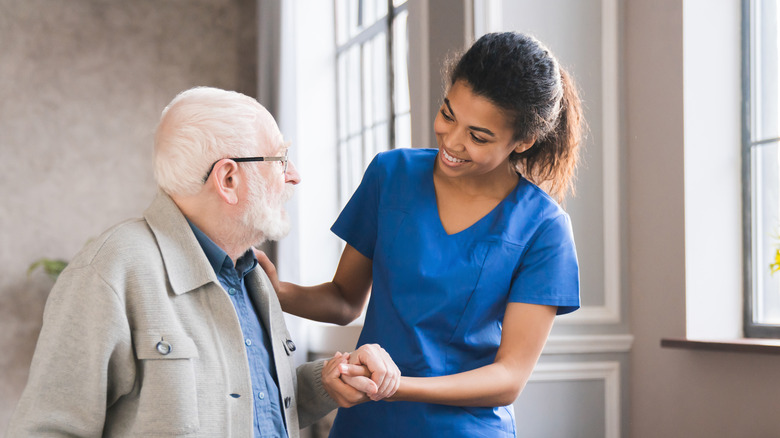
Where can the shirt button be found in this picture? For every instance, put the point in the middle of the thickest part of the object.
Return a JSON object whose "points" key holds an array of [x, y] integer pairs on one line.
{"points": [[287, 401], [232, 291], [248, 342], [261, 395]]}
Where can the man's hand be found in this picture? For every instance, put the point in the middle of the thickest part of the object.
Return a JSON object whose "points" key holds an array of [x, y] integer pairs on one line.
{"points": [[347, 395], [384, 373]]}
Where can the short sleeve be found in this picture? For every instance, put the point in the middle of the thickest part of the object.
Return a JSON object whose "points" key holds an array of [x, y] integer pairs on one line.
{"points": [[357, 223], [549, 273]]}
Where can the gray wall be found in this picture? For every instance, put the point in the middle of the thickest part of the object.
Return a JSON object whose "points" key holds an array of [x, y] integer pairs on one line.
{"points": [[583, 372], [82, 83]]}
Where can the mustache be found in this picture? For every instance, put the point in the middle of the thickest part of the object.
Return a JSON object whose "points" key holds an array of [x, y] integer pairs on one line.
{"points": [[288, 192]]}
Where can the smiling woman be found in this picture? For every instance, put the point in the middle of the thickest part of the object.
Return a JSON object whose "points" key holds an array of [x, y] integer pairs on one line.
{"points": [[473, 171], [457, 246], [537, 101]]}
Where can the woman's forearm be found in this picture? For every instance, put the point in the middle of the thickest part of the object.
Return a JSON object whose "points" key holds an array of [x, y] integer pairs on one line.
{"points": [[491, 385], [325, 302], [339, 301], [525, 330]]}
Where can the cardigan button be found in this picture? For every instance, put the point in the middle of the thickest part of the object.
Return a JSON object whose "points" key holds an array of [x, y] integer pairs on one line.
{"points": [[287, 401], [290, 345], [164, 347]]}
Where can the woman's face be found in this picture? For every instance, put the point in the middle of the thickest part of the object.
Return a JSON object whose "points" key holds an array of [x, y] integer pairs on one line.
{"points": [[474, 136]]}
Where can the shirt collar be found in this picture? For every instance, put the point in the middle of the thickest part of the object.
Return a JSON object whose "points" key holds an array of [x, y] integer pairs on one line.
{"points": [[218, 258]]}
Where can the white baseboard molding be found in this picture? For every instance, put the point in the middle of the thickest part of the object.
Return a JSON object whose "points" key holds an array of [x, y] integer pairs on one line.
{"points": [[581, 344]]}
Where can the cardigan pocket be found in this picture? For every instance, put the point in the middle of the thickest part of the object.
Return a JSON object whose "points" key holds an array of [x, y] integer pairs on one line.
{"points": [[168, 398]]}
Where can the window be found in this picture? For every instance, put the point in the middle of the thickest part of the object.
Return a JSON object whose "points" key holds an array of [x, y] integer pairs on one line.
{"points": [[761, 166], [372, 85]]}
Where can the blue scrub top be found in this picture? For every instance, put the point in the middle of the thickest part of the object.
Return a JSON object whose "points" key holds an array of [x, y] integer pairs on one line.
{"points": [[438, 300]]}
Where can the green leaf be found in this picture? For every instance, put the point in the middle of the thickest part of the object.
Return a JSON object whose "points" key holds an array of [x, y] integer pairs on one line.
{"points": [[52, 267]]}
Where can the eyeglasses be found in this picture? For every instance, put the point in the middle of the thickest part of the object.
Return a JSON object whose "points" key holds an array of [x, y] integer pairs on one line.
{"points": [[283, 160]]}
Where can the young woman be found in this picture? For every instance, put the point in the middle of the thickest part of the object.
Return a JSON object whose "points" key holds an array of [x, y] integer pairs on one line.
{"points": [[467, 258]]}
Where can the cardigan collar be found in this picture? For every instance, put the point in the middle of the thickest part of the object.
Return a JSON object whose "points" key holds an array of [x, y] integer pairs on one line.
{"points": [[187, 265]]}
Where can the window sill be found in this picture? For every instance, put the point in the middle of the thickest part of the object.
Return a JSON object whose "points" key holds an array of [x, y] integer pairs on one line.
{"points": [[742, 345]]}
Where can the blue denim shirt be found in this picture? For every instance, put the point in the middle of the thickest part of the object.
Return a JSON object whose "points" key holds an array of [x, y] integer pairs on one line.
{"points": [[267, 403]]}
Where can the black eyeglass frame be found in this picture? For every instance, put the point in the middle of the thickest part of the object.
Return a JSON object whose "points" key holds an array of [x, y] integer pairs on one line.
{"points": [[283, 159]]}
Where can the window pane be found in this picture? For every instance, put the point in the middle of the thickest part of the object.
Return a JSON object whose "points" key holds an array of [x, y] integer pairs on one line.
{"points": [[403, 124], [342, 21], [403, 130], [370, 89], [764, 173], [380, 137], [369, 147], [369, 13], [344, 190], [353, 91], [765, 71], [375, 10], [342, 97], [354, 17], [766, 226], [354, 164], [400, 53], [379, 79], [381, 9]]}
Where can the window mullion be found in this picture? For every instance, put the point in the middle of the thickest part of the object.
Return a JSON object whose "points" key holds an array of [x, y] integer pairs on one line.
{"points": [[390, 75]]}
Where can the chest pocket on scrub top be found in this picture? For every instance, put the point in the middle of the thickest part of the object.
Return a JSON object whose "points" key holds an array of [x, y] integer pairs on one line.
{"points": [[167, 379], [434, 279], [477, 336]]}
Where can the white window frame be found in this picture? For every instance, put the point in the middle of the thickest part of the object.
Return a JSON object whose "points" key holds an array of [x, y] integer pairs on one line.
{"points": [[359, 25]]}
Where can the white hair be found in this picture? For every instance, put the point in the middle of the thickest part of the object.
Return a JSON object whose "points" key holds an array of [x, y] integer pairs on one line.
{"points": [[202, 125]]}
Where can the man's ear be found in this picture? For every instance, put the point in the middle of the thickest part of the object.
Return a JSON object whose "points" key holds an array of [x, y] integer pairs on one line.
{"points": [[225, 180]]}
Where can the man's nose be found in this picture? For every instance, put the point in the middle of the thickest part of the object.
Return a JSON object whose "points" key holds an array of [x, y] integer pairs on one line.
{"points": [[292, 176]]}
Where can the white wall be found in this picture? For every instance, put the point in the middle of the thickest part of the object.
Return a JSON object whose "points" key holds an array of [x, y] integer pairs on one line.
{"points": [[713, 209]]}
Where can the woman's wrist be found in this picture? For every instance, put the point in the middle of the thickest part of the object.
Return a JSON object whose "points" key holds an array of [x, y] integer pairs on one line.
{"points": [[405, 390]]}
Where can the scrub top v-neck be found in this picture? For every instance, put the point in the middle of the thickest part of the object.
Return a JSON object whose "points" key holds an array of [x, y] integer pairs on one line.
{"points": [[438, 300]]}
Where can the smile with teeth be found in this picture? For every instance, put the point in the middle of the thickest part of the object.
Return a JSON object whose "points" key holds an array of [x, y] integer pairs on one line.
{"points": [[452, 159]]}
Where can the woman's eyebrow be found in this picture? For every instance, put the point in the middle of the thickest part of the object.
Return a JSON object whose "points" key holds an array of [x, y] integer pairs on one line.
{"points": [[485, 130], [473, 128], [447, 102]]}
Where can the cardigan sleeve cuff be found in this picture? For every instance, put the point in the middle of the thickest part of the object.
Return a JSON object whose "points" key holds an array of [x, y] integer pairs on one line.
{"points": [[320, 387], [314, 402]]}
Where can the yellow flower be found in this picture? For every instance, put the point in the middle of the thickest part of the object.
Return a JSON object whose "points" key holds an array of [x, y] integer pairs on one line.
{"points": [[774, 267]]}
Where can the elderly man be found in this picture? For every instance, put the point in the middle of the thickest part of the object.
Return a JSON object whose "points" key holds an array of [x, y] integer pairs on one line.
{"points": [[163, 326]]}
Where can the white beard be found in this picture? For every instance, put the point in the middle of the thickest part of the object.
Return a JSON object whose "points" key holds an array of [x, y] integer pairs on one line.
{"points": [[265, 217]]}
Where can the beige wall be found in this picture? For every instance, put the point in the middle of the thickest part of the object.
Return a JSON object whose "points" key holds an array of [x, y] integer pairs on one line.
{"points": [[82, 83], [674, 393]]}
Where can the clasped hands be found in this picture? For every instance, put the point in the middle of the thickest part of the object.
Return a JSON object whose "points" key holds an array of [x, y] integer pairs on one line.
{"points": [[367, 373]]}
